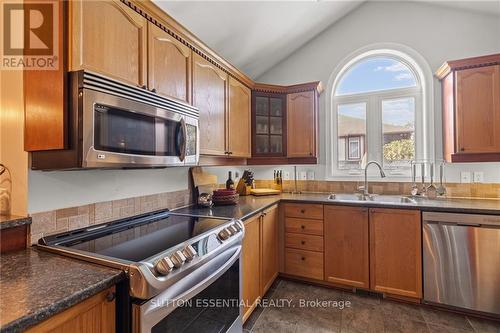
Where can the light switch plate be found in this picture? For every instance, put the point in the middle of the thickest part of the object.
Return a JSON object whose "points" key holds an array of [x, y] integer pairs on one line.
{"points": [[478, 177], [310, 175], [303, 175], [465, 177]]}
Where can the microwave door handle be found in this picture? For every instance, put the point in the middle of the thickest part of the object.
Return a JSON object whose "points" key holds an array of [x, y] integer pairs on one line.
{"points": [[182, 141]]}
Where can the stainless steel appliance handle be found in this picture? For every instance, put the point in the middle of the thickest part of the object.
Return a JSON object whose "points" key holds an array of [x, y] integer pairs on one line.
{"points": [[157, 308], [182, 143]]}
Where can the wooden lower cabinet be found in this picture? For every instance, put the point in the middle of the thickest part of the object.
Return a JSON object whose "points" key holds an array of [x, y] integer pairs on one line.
{"points": [[269, 247], [94, 315], [303, 263], [259, 258], [346, 246], [251, 265], [396, 252]]}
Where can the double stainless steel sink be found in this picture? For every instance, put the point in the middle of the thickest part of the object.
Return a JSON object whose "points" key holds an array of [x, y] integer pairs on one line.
{"points": [[359, 197]]}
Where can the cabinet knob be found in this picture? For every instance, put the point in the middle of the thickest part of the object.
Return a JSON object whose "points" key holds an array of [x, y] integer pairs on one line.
{"points": [[462, 149], [110, 297], [303, 258], [302, 227], [302, 211], [302, 242]]}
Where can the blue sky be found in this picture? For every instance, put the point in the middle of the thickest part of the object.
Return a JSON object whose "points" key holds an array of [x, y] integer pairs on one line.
{"points": [[375, 74]]}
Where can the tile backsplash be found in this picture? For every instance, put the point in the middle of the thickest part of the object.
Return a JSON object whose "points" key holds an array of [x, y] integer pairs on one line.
{"points": [[454, 190], [60, 220]]}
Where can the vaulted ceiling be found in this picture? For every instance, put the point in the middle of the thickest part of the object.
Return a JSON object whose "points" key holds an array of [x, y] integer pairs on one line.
{"points": [[256, 35]]}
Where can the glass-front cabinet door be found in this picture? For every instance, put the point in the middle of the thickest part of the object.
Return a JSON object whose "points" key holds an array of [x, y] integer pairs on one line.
{"points": [[269, 137]]}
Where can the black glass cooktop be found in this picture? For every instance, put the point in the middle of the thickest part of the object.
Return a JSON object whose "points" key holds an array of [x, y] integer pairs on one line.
{"points": [[138, 238]]}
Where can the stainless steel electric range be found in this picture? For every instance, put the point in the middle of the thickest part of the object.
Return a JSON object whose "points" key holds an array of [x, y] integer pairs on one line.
{"points": [[184, 271]]}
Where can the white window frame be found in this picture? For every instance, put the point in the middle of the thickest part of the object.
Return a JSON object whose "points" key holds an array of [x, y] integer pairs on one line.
{"points": [[424, 115]]}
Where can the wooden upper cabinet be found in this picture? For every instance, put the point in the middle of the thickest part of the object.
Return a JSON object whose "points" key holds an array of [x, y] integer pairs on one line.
{"points": [[471, 109], [45, 99], [210, 85], [396, 252], [478, 109], [269, 245], [250, 257], [301, 124], [346, 246], [109, 38], [169, 65], [239, 133]]}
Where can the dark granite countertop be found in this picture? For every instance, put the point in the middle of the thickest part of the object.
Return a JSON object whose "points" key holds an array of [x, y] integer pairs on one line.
{"points": [[11, 221], [251, 205], [35, 285]]}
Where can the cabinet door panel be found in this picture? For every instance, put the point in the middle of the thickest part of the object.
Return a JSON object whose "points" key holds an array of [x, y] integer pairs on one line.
{"points": [[269, 248], [95, 314], [251, 265], [346, 246], [396, 252], [169, 65], [110, 38], [478, 109], [301, 124], [239, 119], [209, 95]]}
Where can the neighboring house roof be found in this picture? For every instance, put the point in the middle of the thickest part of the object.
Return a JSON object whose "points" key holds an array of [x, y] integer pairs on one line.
{"points": [[352, 126]]}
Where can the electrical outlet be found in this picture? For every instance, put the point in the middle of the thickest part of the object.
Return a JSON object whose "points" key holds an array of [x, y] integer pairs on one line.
{"points": [[303, 175], [286, 175], [465, 177], [478, 177], [310, 175]]}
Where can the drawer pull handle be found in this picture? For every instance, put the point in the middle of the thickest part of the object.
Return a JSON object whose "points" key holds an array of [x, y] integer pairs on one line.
{"points": [[302, 227], [303, 258], [302, 242]]}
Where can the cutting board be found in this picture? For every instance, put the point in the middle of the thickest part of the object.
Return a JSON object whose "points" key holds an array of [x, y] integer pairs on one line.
{"points": [[203, 182], [264, 191]]}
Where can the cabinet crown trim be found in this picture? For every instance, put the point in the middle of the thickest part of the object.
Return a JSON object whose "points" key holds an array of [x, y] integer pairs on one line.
{"points": [[454, 65]]}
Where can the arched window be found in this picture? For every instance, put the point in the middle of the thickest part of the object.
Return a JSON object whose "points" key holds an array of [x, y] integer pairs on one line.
{"points": [[377, 114]]}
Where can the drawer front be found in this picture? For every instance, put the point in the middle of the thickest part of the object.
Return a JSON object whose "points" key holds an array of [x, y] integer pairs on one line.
{"points": [[304, 242], [304, 263], [304, 226], [304, 211]]}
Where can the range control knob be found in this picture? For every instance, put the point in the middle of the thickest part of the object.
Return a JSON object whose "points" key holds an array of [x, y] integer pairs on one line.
{"points": [[237, 226], [233, 229], [178, 259], [224, 234], [189, 252], [164, 266]]}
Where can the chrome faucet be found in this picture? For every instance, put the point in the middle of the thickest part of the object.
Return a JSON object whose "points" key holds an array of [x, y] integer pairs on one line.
{"points": [[382, 174]]}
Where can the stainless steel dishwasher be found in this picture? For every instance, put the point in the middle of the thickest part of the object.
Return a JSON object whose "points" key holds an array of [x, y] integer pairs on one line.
{"points": [[462, 261]]}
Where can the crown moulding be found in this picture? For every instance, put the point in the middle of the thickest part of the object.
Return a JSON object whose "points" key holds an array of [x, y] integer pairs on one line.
{"points": [[296, 88], [160, 18], [453, 65]]}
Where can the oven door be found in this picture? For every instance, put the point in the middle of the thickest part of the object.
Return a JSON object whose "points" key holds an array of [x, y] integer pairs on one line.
{"points": [[119, 132], [208, 300]]}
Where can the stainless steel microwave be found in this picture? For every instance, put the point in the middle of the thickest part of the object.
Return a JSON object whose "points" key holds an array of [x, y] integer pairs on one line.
{"points": [[115, 125]]}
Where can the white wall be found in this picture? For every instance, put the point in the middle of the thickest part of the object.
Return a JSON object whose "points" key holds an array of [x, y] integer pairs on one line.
{"points": [[436, 33], [49, 190]]}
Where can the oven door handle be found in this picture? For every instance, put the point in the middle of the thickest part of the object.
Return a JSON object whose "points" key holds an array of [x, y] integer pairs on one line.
{"points": [[156, 309]]}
